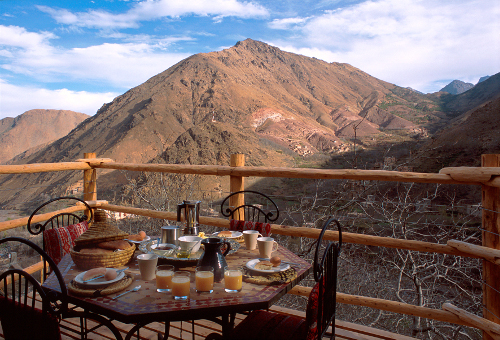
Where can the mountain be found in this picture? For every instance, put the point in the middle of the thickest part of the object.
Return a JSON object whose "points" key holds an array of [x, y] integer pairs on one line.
{"points": [[483, 79], [35, 128], [274, 106], [457, 87], [483, 92], [476, 133]]}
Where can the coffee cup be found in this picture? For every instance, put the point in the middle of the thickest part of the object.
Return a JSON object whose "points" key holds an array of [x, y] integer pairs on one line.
{"points": [[250, 237], [147, 266], [266, 246]]}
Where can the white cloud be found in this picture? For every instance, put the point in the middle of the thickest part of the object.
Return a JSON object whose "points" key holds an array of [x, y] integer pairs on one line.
{"points": [[15, 100], [156, 9], [14, 37], [409, 43], [287, 23], [119, 65]]}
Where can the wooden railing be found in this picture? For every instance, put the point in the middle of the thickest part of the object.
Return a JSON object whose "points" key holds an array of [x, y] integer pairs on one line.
{"points": [[487, 176]]}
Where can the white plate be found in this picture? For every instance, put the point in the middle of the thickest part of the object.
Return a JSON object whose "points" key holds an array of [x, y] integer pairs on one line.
{"points": [[147, 238], [98, 282], [234, 234], [251, 265]]}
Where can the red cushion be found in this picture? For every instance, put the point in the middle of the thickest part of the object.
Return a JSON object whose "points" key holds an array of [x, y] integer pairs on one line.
{"points": [[263, 228], [23, 322], [59, 241], [265, 325], [312, 313]]}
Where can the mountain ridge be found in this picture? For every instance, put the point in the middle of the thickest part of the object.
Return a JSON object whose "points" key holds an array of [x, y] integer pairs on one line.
{"points": [[253, 98]]}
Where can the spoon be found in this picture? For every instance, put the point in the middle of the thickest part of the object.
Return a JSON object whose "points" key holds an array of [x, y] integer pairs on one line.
{"points": [[135, 289]]}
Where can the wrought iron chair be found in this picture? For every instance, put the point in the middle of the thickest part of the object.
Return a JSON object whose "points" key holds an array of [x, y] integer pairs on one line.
{"points": [[60, 231], [253, 212], [320, 314], [22, 295]]}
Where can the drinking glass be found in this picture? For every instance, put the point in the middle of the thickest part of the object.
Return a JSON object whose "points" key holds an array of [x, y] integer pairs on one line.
{"points": [[164, 278], [204, 278], [233, 279], [180, 284]]}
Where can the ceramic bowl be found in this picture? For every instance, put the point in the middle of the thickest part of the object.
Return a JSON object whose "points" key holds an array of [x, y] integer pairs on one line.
{"points": [[164, 249], [190, 242]]}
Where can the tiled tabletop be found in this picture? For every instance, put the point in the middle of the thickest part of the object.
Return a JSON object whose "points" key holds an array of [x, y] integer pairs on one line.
{"points": [[149, 305]]}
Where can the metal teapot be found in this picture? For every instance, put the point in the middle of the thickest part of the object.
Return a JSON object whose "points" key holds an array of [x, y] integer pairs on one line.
{"points": [[191, 216]]}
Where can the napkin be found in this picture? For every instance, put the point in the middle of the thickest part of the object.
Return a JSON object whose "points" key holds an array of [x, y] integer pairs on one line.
{"points": [[263, 228]]}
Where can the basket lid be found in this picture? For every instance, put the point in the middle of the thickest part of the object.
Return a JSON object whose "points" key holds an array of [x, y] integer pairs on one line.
{"points": [[100, 231]]}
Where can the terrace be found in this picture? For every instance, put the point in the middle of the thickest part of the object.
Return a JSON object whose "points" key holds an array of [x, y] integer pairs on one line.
{"points": [[485, 178]]}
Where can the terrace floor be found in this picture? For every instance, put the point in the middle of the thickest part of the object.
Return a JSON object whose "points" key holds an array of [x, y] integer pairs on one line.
{"points": [[344, 330]]}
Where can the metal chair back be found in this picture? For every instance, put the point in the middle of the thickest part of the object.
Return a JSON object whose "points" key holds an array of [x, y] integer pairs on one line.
{"points": [[253, 212], [59, 220], [17, 283], [325, 272]]}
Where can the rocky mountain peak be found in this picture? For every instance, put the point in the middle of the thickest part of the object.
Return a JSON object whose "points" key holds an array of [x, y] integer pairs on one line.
{"points": [[457, 87]]}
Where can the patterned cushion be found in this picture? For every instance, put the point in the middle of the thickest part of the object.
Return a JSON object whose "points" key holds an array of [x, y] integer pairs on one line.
{"points": [[22, 322], [312, 313], [59, 241], [263, 228]]}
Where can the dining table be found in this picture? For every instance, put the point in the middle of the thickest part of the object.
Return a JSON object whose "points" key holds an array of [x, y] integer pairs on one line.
{"points": [[148, 305]]}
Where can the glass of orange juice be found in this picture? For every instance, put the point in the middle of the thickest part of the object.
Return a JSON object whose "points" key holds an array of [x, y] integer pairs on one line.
{"points": [[204, 278], [232, 279], [180, 284], [164, 278]]}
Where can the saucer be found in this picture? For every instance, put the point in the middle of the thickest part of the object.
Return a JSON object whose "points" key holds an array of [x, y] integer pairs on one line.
{"points": [[102, 282]]}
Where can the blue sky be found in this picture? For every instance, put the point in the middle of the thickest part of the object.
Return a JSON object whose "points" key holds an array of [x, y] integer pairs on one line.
{"points": [[78, 55]]}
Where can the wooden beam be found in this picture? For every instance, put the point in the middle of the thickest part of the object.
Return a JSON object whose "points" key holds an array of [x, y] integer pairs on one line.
{"points": [[19, 222], [465, 173], [390, 306], [489, 254], [89, 180], [353, 174], [43, 167], [489, 327], [237, 183], [313, 233], [491, 239]]}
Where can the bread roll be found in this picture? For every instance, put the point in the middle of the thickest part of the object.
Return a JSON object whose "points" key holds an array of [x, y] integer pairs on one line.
{"points": [[114, 245], [135, 237], [95, 251]]}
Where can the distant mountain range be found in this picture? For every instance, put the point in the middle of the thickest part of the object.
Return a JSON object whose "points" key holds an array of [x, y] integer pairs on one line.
{"points": [[274, 106], [458, 86], [35, 128]]}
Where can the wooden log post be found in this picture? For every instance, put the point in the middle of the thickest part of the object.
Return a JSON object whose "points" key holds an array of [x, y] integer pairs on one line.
{"points": [[491, 239], [237, 183], [89, 181]]}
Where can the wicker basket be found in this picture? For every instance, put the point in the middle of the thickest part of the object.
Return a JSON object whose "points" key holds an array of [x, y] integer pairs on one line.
{"points": [[85, 261], [101, 231]]}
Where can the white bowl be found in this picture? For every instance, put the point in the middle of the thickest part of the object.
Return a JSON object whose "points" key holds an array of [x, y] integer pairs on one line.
{"points": [[190, 242], [164, 249]]}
